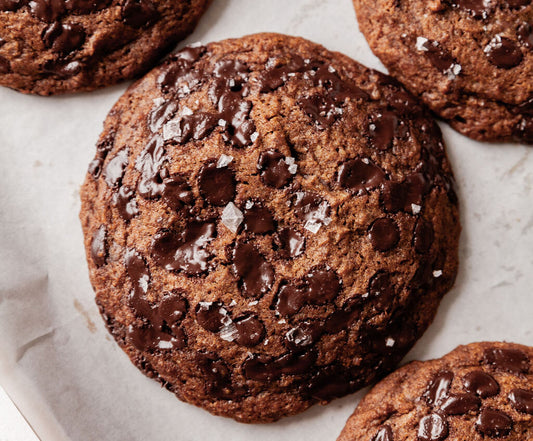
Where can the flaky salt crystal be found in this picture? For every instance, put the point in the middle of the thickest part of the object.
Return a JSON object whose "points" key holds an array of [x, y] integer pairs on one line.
{"points": [[224, 160], [232, 217], [437, 273], [415, 208], [420, 44]]}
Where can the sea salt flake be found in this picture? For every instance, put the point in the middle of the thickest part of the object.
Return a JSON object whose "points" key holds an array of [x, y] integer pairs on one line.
{"points": [[233, 303], [143, 282], [232, 217], [224, 160], [390, 342], [437, 273], [254, 136], [229, 332], [366, 160], [421, 44], [282, 321], [249, 204], [291, 162], [222, 122], [164, 344], [186, 111], [331, 69], [415, 208], [312, 226]]}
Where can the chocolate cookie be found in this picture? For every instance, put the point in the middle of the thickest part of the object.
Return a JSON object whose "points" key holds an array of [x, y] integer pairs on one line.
{"points": [[477, 392], [57, 46], [470, 61], [268, 225]]}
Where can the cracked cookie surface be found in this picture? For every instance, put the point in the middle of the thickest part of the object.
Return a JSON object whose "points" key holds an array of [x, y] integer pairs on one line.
{"points": [[57, 46], [268, 225], [470, 61], [481, 391]]}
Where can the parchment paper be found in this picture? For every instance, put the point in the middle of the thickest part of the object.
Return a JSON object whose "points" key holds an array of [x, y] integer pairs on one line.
{"points": [[57, 362]]}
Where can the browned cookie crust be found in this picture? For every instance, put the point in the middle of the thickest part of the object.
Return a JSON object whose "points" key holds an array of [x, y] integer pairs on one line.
{"points": [[57, 46], [482, 391], [268, 225], [470, 61]]}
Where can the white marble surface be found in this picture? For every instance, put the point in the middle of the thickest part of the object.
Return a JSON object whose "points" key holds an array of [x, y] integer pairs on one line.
{"points": [[57, 362]]}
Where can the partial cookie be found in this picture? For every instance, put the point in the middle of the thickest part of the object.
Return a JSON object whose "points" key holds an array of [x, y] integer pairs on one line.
{"points": [[470, 61], [268, 225], [57, 46], [482, 391]]}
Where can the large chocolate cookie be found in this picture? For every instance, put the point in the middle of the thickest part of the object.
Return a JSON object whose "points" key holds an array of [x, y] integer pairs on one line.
{"points": [[482, 391], [470, 61], [268, 225], [56, 46]]}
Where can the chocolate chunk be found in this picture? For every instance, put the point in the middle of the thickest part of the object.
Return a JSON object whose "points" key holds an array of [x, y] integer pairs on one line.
{"points": [[460, 404], [5, 65], [124, 200], [195, 127], [358, 175], [319, 286], [98, 246], [161, 114], [63, 37], [439, 57], [176, 192], [86, 6], [481, 383], [518, 3], [150, 164], [494, 423], [217, 185], [218, 381], [322, 109], [313, 209], [525, 34], [432, 427], [47, 10], [439, 388], [398, 196], [264, 368], [384, 434], [504, 52], [212, 316], [290, 242], [522, 400], [423, 236], [139, 275], [384, 234], [255, 273], [10, 5], [250, 330], [381, 290], [511, 360], [139, 13], [330, 382], [258, 219], [274, 169], [180, 70], [115, 168], [477, 8], [274, 76], [382, 129], [343, 318], [185, 251]]}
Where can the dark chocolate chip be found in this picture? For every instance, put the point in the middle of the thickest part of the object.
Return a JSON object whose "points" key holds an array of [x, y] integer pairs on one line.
{"points": [[139, 274], [494, 423], [439, 388], [139, 13], [343, 318], [176, 193], [511, 360], [381, 290], [264, 368], [86, 6], [255, 273], [115, 168], [217, 185], [218, 381], [179, 70], [63, 37], [518, 3], [98, 246], [47, 10], [330, 382], [124, 200], [312, 209], [384, 234], [481, 383], [504, 52], [432, 427], [460, 404], [274, 76], [358, 175], [383, 434], [258, 219], [195, 127], [274, 169], [212, 316], [250, 330], [525, 34], [304, 334], [439, 57], [476, 8], [290, 242], [423, 236], [11, 5], [398, 196], [185, 251], [5, 66], [522, 400], [382, 129]]}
